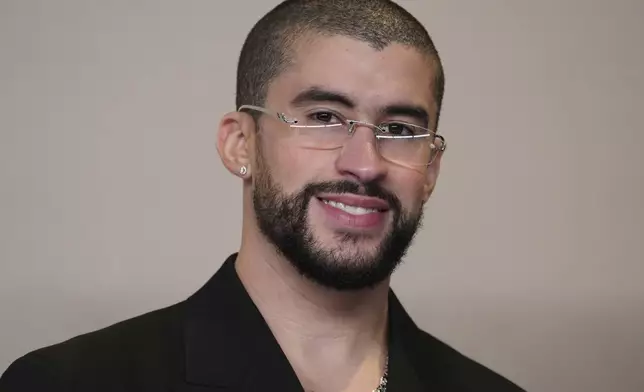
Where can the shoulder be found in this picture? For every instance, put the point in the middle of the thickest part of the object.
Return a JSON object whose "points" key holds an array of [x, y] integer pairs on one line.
{"points": [[148, 342], [456, 369], [437, 363]]}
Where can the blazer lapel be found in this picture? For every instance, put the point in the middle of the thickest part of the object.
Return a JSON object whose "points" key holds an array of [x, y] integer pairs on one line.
{"points": [[405, 365], [228, 345]]}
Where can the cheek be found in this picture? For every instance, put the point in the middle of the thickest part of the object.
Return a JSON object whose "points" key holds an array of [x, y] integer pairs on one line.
{"points": [[293, 167], [411, 188]]}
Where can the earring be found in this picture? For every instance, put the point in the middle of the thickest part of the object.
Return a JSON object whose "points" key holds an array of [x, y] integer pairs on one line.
{"points": [[243, 170]]}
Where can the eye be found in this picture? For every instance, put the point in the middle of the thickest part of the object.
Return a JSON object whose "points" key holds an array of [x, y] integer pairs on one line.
{"points": [[400, 129], [324, 117]]}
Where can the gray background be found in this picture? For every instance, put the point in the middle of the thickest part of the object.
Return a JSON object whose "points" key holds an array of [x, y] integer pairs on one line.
{"points": [[113, 201]]}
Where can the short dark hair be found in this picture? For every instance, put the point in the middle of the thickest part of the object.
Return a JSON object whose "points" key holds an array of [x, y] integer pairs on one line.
{"points": [[265, 53]]}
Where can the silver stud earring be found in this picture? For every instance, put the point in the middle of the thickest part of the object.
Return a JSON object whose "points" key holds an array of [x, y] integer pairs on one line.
{"points": [[243, 170]]}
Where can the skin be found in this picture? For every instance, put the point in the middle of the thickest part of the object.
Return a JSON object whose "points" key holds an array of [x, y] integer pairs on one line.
{"points": [[335, 340]]}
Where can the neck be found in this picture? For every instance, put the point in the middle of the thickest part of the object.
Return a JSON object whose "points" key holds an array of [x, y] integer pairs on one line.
{"points": [[334, 340]]}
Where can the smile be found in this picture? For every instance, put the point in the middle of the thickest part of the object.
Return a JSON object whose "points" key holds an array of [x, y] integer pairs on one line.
{"points": [[355, 205], [353, 210]]}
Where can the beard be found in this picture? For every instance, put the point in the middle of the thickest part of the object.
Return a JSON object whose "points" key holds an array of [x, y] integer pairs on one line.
{"points": [[283, 220]]}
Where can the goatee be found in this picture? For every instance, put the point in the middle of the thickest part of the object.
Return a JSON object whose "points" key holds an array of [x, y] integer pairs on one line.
{"points": [[283, 220]]}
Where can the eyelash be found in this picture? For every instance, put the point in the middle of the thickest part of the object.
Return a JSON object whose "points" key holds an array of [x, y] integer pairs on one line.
{"points": [[312, 116]]}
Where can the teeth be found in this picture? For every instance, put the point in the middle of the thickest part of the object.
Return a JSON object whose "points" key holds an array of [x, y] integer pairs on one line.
{"points": [[350, 209]]}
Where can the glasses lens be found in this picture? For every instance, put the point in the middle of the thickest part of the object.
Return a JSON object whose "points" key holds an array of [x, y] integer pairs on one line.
{"points": [[404, 143], [413, 145], [321, 131]]}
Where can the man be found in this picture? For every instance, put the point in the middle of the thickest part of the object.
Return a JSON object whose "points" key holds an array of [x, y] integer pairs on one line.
{"points": [[334, 140]]}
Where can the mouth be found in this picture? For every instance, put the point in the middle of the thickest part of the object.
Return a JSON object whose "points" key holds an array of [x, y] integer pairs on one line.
{"points": [[353, 211], [355, 204], [349, 209]]}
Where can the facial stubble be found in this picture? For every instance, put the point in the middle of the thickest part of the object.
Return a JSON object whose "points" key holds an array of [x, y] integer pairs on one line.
{"points": [[283, 220]]}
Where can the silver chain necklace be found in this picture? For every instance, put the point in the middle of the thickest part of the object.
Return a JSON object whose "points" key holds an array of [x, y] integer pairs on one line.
{"points": [[382, 387]]}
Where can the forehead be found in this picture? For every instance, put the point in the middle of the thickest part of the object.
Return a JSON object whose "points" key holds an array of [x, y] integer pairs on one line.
{"points": [[371, 77]]}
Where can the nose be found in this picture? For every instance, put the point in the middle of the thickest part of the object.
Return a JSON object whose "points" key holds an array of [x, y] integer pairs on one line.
{"points": [[359, 158]]}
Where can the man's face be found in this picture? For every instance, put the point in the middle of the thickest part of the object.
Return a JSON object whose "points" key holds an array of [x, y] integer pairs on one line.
{"points": [[343, 217]]}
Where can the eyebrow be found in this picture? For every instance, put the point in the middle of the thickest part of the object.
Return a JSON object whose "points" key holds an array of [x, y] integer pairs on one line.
{"points": [[316, 94], [414, 111]]}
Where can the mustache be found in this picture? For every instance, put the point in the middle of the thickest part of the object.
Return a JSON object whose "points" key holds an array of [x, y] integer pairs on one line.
{"points": [[370, 189]]}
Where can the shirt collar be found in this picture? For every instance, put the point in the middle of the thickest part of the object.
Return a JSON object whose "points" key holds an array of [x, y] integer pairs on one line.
{"points": [[229, 345]]}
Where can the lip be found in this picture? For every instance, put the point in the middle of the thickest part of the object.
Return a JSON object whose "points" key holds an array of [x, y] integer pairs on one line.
{"points": [[344, 222], [356, 201]]}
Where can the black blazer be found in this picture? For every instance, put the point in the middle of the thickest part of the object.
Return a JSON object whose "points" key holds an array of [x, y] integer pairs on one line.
{"points": [[217, 340]]}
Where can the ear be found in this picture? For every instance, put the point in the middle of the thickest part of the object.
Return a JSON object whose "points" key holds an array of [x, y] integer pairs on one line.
{"points": [[431, 177], [235, 142]]}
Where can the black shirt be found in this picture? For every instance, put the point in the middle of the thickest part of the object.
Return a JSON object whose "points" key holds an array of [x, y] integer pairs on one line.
{"points": [[217, 340]]}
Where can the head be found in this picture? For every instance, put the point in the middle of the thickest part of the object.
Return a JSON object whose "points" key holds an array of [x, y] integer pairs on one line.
{"points": [[343, 213]]}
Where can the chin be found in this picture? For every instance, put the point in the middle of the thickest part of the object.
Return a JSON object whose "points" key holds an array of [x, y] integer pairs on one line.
{"points": [[349, 245], [338, 239]]}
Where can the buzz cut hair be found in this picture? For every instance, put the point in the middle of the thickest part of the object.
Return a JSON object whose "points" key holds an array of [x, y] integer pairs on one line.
{"points": [[267, 50]]}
